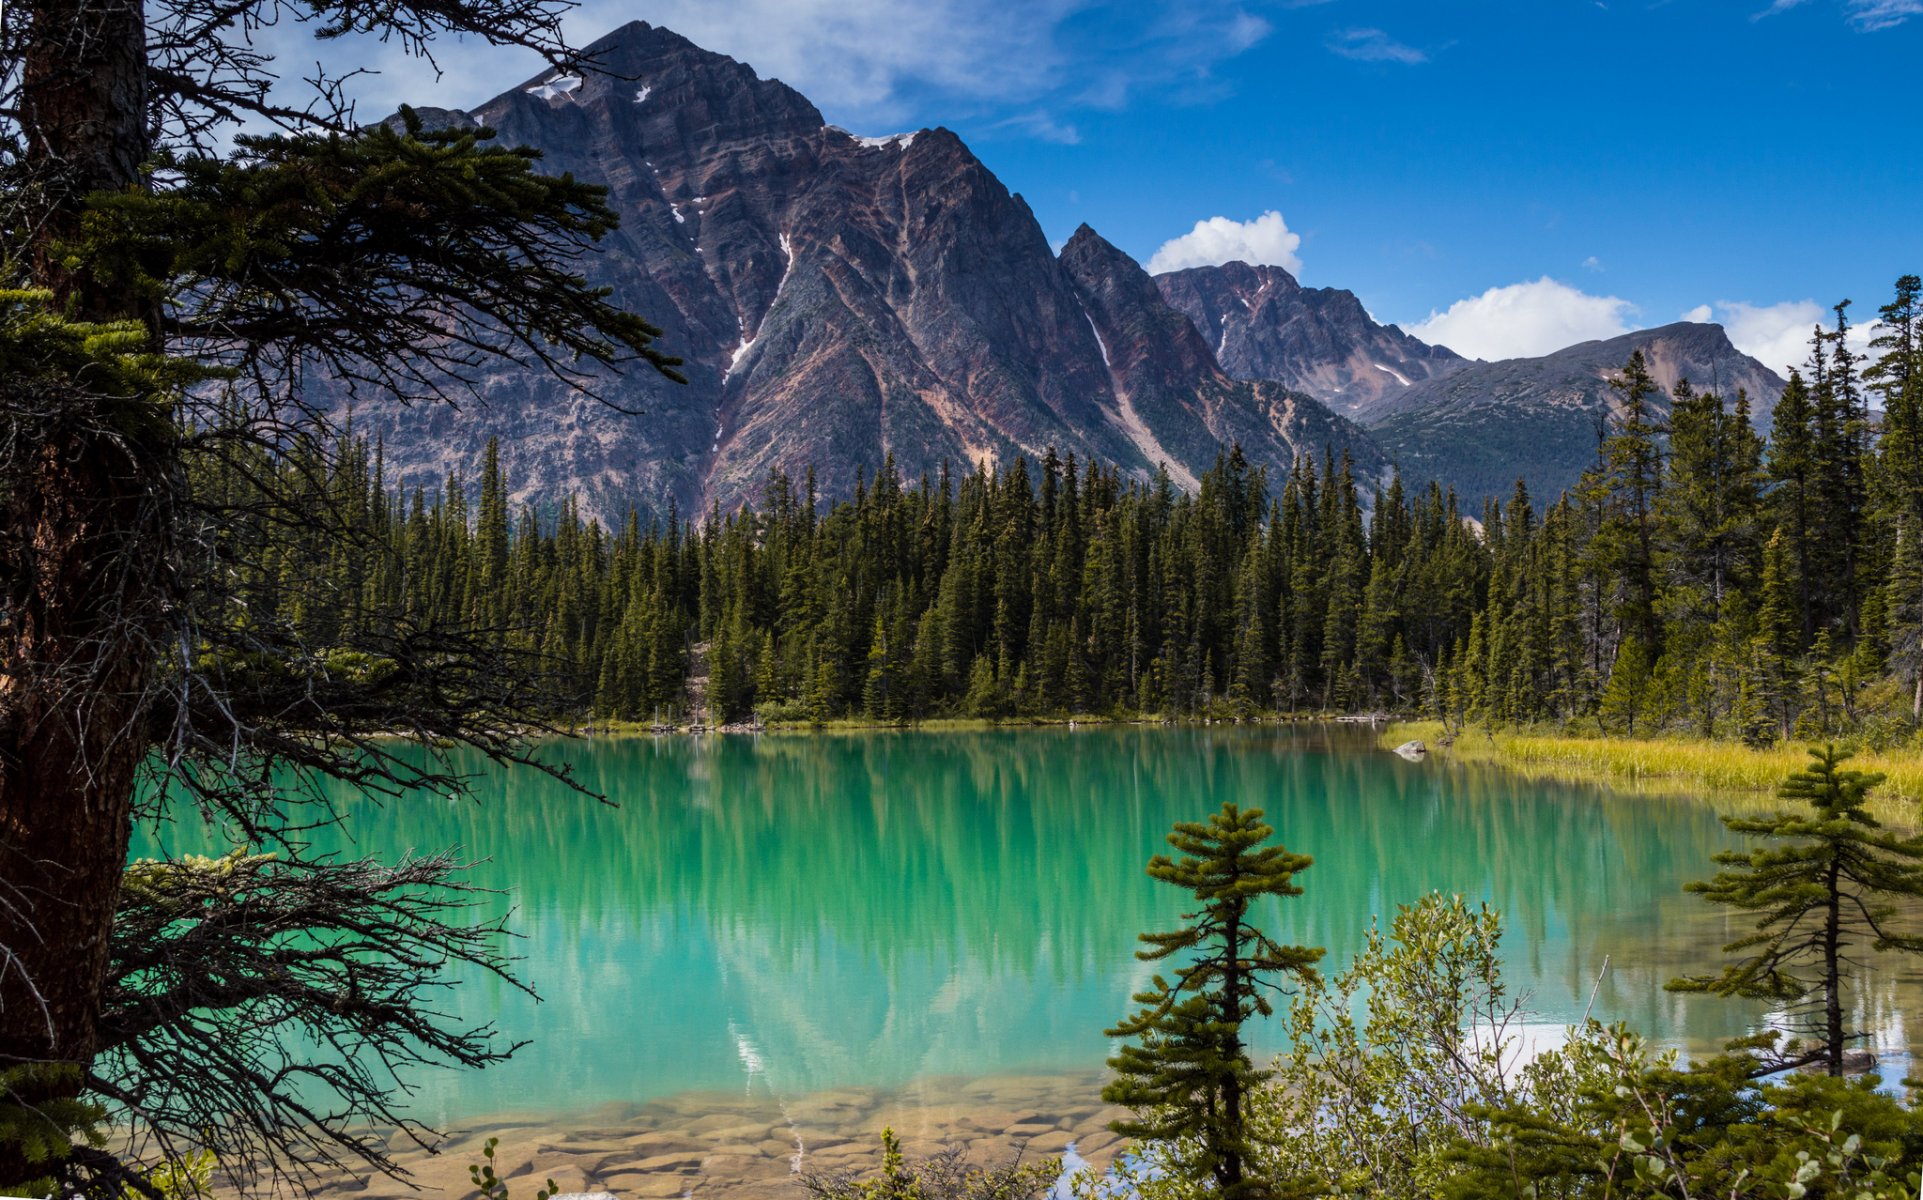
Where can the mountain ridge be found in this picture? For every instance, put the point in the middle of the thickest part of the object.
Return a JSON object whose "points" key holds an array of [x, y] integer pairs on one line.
{"points": [[838, 301], [1320, 341], [1481, 428], [844, 301]]}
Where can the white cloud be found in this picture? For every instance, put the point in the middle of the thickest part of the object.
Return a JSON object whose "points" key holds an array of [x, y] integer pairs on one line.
{"points": [[1592, 263], [1872, 15], [1700, 315], [1778, 335], [1524, 320], [1266, 239], [1042, 127], [1373, 45], [866, 63], [1867, 15]]}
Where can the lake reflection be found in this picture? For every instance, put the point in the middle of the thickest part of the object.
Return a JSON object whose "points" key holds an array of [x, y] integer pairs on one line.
{"points": [[788, 913]]}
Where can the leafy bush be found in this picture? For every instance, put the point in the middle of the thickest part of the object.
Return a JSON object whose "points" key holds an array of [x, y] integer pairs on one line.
{"points": [[1411, 1078], [947, 1175]]}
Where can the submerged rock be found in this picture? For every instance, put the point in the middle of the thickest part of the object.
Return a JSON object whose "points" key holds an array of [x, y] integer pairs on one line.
{"points": [[1413, 751]]}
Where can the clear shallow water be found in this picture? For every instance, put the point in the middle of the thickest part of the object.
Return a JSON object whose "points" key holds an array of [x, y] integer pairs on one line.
{"points": [[785, 914]]}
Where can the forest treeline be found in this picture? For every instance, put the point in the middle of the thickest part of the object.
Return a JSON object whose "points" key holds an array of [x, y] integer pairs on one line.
{"points": [[1699, 578]]}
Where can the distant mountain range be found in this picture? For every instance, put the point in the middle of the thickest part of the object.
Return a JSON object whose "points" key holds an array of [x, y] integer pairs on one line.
{"points": [[842, 301], [1483, 426]]}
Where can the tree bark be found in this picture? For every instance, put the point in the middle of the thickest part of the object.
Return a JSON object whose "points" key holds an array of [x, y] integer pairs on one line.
{"points": [[83, 108], [1229, 1173], [83, 556], [76, 639], [1832, 974]]}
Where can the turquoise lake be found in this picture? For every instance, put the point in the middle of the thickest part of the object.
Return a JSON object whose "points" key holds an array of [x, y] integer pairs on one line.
{"points": [[799, 912]]}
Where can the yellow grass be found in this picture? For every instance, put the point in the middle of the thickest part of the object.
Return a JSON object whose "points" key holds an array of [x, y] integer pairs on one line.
{"points": [[1714, 771]]}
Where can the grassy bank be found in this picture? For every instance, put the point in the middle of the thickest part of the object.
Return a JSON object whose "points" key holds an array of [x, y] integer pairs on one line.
{"points": [[1712, 770]]}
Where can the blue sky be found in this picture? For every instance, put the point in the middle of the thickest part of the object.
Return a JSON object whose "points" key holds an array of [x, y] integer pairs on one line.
{"points": [[1528, 173]]}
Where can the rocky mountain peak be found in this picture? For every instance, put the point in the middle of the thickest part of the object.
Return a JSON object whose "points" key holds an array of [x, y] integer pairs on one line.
{"points": [[1263, 324], [1140, 331]]}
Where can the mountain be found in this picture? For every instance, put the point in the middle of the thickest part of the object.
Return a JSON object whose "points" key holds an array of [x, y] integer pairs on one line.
{"points": [[1265, 325], [839, 300], [1174, 398], [1483, 426]]}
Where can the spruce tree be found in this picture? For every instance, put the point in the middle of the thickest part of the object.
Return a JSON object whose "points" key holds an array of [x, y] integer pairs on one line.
{"points": [[1190, 1075], [1829, 883]]}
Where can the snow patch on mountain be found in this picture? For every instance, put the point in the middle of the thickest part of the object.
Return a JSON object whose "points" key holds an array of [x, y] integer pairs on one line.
{"points": [[556, 87]]}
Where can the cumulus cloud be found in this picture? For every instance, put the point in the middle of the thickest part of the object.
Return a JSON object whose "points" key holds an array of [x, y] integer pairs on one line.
{"points": [[1778, 335], [1266, 239], [1701, 314], [1373, 45], [1524, 320]]}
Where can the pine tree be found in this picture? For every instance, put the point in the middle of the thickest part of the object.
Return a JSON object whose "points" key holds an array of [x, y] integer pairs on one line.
{"points": [[1189, 1077], [1632, 484], [1792, 471], [1827, 884]]}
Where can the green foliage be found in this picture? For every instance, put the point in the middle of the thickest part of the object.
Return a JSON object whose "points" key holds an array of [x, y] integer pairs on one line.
{"points": [[46, 355], [1397, 1063], [944, 1176], [1190, 1075], [186, 1178], [1823, 885], [489, 1186], [1639, 1126], [1410, 1078], [42, 1123]]}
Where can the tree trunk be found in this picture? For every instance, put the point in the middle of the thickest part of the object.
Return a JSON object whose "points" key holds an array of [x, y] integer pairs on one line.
{"points": [[83, 108], [83, 556], [1832, 973], [1229, 1172], [76, 644]]}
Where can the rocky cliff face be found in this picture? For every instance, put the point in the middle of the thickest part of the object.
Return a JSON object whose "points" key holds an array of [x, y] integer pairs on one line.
{"points": [[1173, 398], [839, 301], [1484, 426], [1265, 325]]}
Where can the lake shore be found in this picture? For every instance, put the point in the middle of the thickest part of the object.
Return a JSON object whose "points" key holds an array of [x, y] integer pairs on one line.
{"points": [[754, 1145], [1723, 772], [624, 728]]}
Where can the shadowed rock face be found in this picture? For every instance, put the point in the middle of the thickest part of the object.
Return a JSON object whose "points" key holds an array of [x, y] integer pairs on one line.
{"points": [[1538, 419], [1172, 397], [1262, 324], [838, 301]]}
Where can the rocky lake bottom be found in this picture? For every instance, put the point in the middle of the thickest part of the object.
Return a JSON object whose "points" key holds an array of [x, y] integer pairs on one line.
{"points": [[748, 1146]]}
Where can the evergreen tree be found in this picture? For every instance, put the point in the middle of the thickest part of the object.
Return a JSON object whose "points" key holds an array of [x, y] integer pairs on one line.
{"points": [[212, 638], [1189, 1077], [1825, 886], [1792, 471]]}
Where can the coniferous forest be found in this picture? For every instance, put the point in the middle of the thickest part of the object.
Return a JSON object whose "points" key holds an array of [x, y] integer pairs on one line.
{"points": [[1702, 578]]}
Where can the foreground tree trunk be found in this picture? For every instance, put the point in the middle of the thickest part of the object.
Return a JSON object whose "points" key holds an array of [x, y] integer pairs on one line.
{"points": [[74, 657], [83, 560]]}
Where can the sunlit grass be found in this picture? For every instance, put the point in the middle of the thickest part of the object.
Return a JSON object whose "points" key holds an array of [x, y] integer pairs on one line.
{"points": [[1728, 774]]}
